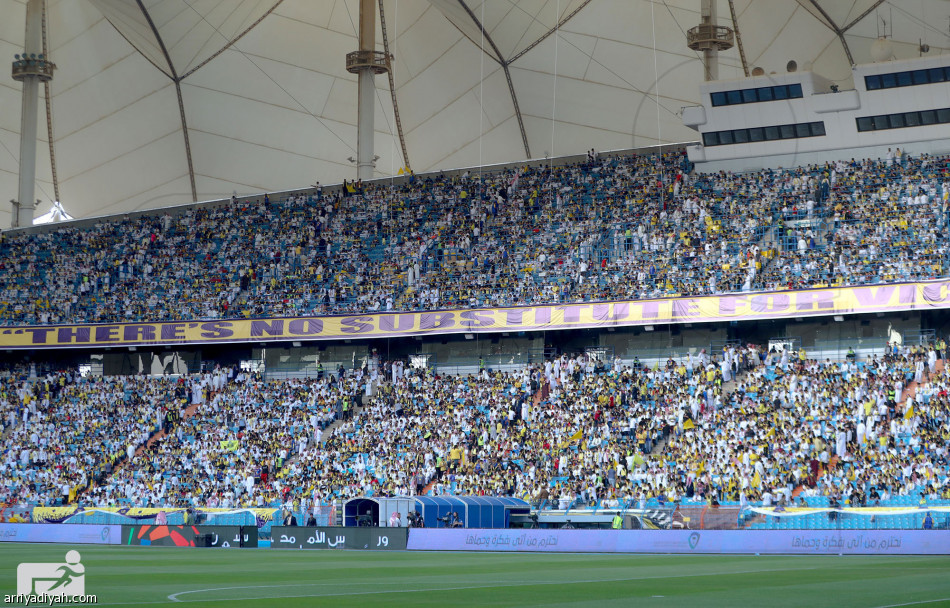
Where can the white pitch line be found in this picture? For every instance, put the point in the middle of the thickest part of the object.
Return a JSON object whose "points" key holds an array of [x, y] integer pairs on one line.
{"points": [[917, 603], [174, 596]]}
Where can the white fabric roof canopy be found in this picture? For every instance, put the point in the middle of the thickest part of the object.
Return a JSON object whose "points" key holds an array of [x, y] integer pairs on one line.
{"points": [[269, 104]]}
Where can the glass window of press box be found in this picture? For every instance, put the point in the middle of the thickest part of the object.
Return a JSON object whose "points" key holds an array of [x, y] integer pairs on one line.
{"points": [[902, 120], [756, 95], [757, 134], [910, 78]]}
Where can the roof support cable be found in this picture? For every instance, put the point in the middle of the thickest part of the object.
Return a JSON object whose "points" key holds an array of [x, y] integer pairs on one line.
{"points": [[557, 34], [49, 116], [392, 84]]}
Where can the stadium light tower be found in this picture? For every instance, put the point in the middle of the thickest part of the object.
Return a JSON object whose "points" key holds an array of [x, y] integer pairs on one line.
{"points": [[709, 38], [366, 63], [31, 68]]}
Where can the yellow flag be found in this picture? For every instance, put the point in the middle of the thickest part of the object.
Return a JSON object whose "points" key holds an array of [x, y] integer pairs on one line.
{"points": [[575, 437], [910, 413], [756, 480], [637, 459], [688, 425]]}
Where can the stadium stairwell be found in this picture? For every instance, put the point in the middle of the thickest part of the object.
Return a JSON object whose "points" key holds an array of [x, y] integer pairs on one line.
{"points": [[660, 446], [327, 432], [911, 389], [429, 486], [187, 413]]}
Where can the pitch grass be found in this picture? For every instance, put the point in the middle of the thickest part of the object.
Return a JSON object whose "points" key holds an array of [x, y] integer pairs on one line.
{"points": [[133, 576]]}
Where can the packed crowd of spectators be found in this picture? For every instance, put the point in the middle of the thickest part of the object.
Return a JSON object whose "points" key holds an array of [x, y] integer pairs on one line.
{"points": [[65, 432], [572, 431], [786, 426], [215, 438], [847, 430], [741, 425], [613, 228], [229, 448]]}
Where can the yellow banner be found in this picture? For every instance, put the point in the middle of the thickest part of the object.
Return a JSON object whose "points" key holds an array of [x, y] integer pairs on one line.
{"points": [[698, 309], [60, 514]]}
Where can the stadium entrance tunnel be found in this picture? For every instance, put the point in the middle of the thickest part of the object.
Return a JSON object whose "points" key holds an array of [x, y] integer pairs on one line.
{"points": [[361, 512]]}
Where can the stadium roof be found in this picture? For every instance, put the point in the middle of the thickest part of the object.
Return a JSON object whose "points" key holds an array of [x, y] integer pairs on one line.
{"points": [[266, 102]]}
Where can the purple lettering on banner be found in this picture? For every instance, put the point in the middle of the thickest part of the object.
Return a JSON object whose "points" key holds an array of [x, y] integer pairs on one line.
{"points": [[805, 301], [477, 318], [217, 329], [271, 328], [686, 308], [305, 327], [936, 294], [770, 303], [131, 333], [651, 310], [66, 335], [173, 331], [397, 322], [762, 305], [542, 315], [437, 320], [514, 317], [874, 296], [602, 312], [39, 334], [907, 294], [107, 333], [572, 312], [727, 305], [356, 325]]}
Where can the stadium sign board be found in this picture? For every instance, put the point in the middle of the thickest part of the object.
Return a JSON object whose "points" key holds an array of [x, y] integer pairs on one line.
{"points": [[75, 534], [896, 297], [223, 537], [776, 542], [323, 537]]}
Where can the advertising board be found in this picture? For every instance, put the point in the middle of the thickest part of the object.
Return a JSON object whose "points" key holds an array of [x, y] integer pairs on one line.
{"points": [[306, 537], [76, 534], [800, 542], [223, 537]]}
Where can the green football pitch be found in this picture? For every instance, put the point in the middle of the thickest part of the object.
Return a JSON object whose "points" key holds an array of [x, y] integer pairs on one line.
{"points": [[133, 576]]}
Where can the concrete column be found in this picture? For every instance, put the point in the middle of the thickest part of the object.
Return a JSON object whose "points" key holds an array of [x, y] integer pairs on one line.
{"points": [[367, 95], [29, 106]]}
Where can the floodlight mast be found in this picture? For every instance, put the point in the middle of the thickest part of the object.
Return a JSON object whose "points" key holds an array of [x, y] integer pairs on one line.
{"points": [[31, 69], [709, 38], [366, 63]]}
